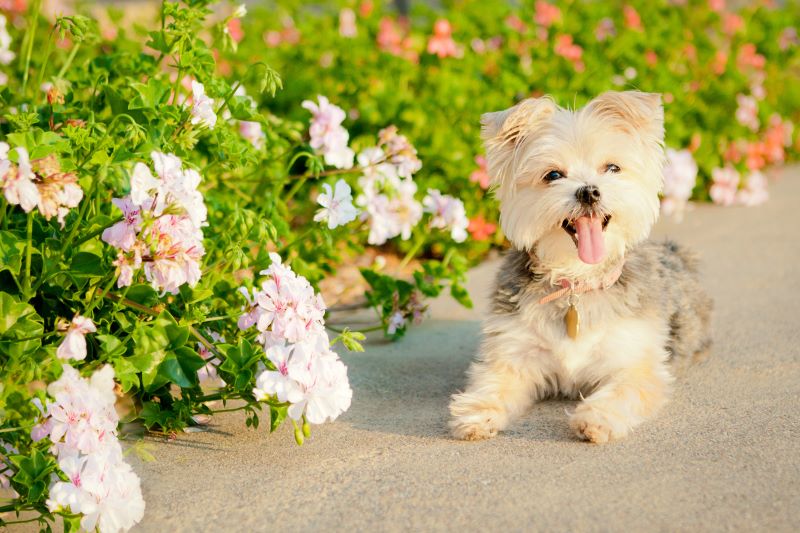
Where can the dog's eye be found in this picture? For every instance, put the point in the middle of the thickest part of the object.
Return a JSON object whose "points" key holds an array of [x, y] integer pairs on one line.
{"points": [[611, 167], [553, 175]]}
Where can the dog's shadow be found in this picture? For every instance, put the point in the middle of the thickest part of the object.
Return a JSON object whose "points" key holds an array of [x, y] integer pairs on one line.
{"points": [[404, 387]]}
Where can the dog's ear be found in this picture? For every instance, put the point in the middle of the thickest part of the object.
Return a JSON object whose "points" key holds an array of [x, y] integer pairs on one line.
{"points": [[632, 110], [503, 131]]}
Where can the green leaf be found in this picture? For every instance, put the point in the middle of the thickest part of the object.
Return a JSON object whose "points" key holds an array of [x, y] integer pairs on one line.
{"points": [[87, 264], [277, 414], [12, 250], [18, 320], [142, 294], [149, 95], [181, 368]]}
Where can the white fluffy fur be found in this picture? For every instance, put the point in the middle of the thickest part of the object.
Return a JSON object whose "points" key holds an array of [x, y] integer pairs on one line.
{"points": [[620, 363]]}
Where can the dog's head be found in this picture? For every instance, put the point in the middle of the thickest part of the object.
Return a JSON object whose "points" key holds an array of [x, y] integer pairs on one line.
{"points": [[577, 186]]}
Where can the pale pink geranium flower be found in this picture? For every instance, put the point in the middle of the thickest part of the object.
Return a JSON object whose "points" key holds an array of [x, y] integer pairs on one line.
{"points": [[481, 174], [747, 112], [6, 55], [447, 213], [400, 151], [202, 108], [396, 321], [337, 205], [754, 191], [605, 29], [251, 131], [328, 137], [680, 176], [347, 23], [725, 185], [17, 181], [74, 344], [441, 43]]}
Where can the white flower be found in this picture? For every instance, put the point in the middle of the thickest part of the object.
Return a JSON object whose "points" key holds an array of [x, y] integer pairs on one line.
{"points": [[239, 12], [6, 55], [396, 321], [448, 212], [754, 191], [202, 106], [74, 344], [337, 205], [17, 182], [252, 132], [328, 137], [680, 176]]}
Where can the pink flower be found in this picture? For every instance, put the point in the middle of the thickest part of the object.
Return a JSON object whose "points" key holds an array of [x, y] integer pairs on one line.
{"points": [[74, 344], [202, 108], [788, 38], [442, 43], [480, 229], [448, 213], [481, 174], [778, 136], [516, 23], [396, 321], [234, 29], [546, 14], [680, 176], [347, 23], [717, 5], [719, 63], [755, 190], [251, 131], [328, 137], [393, 39], [725, 185], [17, 181], [605, 29], [632, 19], [747, 112]]}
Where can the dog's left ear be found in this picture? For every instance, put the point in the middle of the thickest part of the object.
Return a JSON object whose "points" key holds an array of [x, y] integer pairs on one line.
{"points": [[639, 111]]}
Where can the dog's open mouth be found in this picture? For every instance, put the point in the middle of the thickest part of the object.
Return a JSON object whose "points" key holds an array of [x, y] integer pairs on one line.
{"points": [[587, 234]]}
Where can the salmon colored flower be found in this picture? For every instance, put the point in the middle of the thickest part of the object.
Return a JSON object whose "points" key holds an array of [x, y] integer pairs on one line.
{"points": [[632, 19], [480, 229], [441, 43], [546, 14], [569, 51], [719, 63], [749, 58], [732, 23]]}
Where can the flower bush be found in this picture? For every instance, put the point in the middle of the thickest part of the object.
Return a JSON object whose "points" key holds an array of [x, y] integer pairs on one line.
{"points": [[727, 78], [164, 230]]}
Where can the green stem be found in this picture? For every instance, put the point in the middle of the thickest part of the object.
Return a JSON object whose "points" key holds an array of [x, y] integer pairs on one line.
{"points": [[30, 36], [46, 59], [28, 252], [68, 62], [97, 297], [376, 327], [301, 237], [412, 252]]}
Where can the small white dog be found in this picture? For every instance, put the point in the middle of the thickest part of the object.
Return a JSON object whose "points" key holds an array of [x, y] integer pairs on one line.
{"points": [[584, 306]]}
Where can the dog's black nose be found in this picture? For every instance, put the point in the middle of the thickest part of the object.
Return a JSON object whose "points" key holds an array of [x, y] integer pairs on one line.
{"points": [[588, 195]]}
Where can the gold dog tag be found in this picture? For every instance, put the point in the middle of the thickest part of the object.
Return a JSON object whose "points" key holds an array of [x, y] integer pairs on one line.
{"points": [[572, 321]]}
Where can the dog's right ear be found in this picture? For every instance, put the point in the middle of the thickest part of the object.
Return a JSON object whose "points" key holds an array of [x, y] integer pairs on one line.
{"points": [[503, 131]]}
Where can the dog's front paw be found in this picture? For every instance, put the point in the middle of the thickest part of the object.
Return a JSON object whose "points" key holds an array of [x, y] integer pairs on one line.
{"points": [[597, 425], [474, 418]]}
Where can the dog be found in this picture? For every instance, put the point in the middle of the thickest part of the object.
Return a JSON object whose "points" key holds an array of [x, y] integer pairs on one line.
{"points": [[585, 307]]}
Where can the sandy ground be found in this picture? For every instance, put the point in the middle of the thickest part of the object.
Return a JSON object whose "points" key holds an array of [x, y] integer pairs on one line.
{"points": [[723, 455]]}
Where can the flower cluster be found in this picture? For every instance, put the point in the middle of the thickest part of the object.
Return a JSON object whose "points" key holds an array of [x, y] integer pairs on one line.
{"points": [[81, 422], [388, 198], [161, 226], [448, 213], [6, 55], [289, 316], [328, 137], [680, 176], [38, 184]]}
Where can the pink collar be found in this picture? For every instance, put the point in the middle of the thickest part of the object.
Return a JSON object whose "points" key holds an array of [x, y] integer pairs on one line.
{"points": [[579, 287]]}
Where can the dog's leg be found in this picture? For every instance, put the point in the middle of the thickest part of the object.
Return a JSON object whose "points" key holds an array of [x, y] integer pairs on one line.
{"points": [[502, 385], [627, 399]]}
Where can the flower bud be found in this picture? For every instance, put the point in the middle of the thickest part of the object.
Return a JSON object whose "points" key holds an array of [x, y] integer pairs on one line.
{"points": [[306, 428], [298, 436]]}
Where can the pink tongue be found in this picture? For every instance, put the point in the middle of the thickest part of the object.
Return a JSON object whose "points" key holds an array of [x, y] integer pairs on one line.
{"points": [[591, 246]]}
